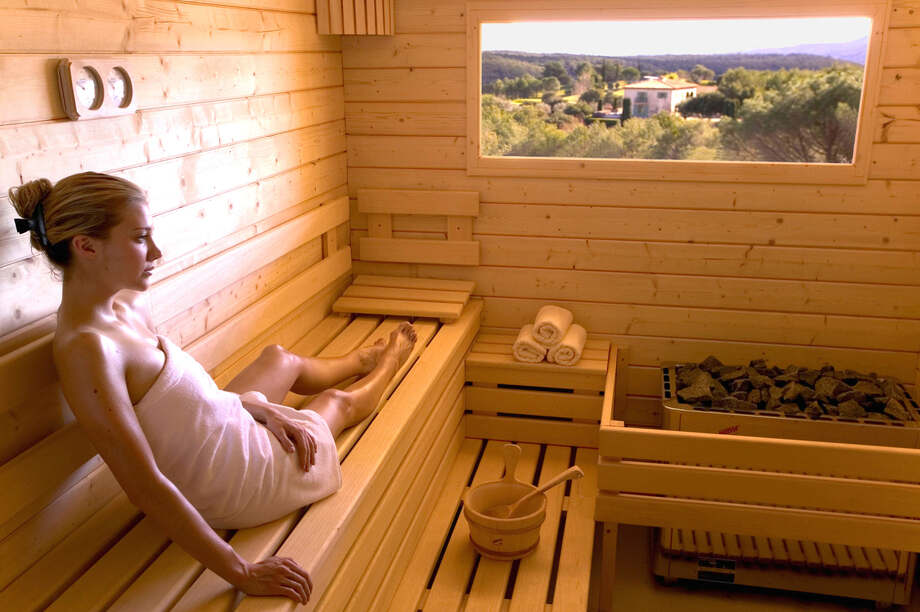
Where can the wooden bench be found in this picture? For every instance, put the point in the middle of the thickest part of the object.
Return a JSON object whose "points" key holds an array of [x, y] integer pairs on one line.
{"points": [[853, 500], [70, 540], [536, 402]]}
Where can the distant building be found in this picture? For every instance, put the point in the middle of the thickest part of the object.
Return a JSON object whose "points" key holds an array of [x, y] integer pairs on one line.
{"points": [[654, 95]]}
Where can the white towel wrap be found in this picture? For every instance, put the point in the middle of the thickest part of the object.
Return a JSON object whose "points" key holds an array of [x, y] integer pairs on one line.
{"points": [[551, 324], [526, 348], [231, 468], [568, 352]]}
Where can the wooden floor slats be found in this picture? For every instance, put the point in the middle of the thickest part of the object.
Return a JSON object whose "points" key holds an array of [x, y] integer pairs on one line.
{"points": [[446, 574]]}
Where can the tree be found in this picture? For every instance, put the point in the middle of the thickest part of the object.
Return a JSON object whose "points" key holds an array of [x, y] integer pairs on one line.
{"points": [[630, 74], [810, 118], [551, 84], [612, 100], [551, 99], [581, 110], [701, 73], [738, 84], [556, 69], [627, 110], [610, 72], [591, 96], [708, 105]]}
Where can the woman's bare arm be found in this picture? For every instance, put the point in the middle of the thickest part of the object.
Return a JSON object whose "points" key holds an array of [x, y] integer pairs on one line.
{"points": [[92, 373]]}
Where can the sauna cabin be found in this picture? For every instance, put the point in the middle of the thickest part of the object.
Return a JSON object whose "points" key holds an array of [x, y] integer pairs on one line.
{"points": [[315, 175]]}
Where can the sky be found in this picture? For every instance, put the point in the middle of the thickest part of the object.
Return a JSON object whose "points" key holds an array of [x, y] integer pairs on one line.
{"points": [[669, 37]]}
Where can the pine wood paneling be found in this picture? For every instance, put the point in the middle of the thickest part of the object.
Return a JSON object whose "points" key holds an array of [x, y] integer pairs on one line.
{"points": [[170, 80], [239, 143], [158, 26], [406, 119], [876, 197], [405, 84], [676, 270]]}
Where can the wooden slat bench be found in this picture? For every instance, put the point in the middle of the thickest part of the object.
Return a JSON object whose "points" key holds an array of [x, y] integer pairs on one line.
{"points": [[536, 402], [70, 540]]}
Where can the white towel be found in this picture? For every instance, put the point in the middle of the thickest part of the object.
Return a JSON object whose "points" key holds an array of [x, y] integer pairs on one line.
{"points": [[551, 324], [568, 352], [526, 348], [230, 467]]}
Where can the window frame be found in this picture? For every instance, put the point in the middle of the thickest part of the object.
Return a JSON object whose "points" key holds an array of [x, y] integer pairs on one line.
{"points": [[497, 11]]}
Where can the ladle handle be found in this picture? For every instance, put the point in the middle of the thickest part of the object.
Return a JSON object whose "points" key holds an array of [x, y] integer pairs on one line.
{"points": [[573, 472], [512, 454]]}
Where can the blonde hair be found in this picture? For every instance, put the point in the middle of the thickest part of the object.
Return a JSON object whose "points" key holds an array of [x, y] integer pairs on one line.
{"points": [[88, 203]]}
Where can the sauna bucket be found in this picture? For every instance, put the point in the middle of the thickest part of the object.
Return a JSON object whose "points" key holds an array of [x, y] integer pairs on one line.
{"points": [[504, 539]]}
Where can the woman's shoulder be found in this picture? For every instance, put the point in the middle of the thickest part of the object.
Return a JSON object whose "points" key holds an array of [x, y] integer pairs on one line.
{"points": [[85, 343]]}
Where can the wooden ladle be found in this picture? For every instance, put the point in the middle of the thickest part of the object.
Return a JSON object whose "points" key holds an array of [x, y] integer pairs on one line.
{"points": [[508, 510]]}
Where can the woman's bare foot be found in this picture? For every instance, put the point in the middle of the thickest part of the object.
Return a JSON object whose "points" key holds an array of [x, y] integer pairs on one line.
{"points": [[402, 340], [368, 356]]}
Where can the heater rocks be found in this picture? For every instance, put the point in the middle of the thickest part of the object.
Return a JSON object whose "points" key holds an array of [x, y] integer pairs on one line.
{"points": [[794, 391]]}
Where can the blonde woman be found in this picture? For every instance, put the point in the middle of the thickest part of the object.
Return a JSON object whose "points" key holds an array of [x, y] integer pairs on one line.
{"points": [[191, 456]]}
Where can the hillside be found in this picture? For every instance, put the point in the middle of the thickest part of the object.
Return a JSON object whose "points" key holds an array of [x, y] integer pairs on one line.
{"points": [[504, 64]]}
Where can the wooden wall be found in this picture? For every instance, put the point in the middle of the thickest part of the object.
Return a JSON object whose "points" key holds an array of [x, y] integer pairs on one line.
{"points": [[796, 273], [240, 143]]}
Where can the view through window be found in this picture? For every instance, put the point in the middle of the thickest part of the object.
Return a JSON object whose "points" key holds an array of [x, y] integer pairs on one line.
{"points": [[766, 90]]}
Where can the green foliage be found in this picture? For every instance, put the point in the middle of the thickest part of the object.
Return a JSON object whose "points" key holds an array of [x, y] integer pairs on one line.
{"points": [[551, 84], [609, 71], [526, 86], [630, 74], [799, 116], [739, 84], [591, 96], [612, 99], [786, 115], [701, 73], [501, 67], [713, 104], [513, 64], [555, 69]]}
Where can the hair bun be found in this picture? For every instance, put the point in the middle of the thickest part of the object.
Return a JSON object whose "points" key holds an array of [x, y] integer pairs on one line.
{"points": [[26, 197]]}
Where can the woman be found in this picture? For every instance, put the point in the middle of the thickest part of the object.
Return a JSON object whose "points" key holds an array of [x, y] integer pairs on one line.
{"points": [[191, 456]]}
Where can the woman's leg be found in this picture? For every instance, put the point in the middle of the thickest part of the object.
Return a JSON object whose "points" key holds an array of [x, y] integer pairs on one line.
{"points": [[277, 371], [343, 408]]}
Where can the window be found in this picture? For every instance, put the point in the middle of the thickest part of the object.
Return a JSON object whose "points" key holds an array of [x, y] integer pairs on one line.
{"points": [[711, 145]]}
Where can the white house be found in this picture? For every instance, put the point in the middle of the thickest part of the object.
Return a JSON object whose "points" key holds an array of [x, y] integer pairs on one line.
{"points": [[654, 95]]}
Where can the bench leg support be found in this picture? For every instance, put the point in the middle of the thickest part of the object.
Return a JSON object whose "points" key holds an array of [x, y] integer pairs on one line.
{"points": [[608, 566]]}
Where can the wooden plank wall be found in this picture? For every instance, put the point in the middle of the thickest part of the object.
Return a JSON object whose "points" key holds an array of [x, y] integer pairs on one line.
{"points": [[795, 273], [240, 132]]}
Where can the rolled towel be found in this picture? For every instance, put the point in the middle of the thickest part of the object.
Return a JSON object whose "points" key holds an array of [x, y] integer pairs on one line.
{"points": [[526, 348], [551, 324], [568, 352]]}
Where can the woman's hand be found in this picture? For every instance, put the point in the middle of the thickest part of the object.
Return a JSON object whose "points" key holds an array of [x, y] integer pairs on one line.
{"points": [[277, 576], [293, 434]]}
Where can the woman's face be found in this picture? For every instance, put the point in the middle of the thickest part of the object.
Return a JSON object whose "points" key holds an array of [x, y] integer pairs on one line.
{"points": [[129, 251]]}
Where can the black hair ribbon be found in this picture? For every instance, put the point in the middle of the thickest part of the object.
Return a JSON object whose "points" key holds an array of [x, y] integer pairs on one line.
{"points": [[36, 223]]}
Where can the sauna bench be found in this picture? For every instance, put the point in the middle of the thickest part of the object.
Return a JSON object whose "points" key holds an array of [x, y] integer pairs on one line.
{"points": [[70, 540], [536, 402], [446, 573]]}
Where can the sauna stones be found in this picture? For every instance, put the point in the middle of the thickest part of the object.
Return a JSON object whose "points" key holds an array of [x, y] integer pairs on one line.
{"points": [[794, 391]]}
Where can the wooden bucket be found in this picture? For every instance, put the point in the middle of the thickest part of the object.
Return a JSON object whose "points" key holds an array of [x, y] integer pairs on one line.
{"points": [[504, 538]]}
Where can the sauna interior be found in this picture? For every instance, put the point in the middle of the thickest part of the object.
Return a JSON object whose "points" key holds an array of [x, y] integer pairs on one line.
{"points": [[312, 170]]}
